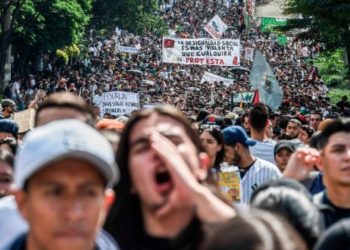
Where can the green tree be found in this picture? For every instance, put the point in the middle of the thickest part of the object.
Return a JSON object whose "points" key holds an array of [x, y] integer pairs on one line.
{"points": [[46, 25], [39, 26], [9, 11], [133, 15], [325, 21]]}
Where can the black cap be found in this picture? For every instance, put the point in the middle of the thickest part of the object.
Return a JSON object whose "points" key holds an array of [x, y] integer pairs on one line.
{"points": [[284, 144]]}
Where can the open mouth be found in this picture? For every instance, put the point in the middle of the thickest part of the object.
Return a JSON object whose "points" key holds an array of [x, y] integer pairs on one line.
{"points": [[163, 182]]}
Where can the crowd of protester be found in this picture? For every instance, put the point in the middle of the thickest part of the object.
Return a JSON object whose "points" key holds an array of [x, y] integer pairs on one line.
{"points": [[152, 179]]}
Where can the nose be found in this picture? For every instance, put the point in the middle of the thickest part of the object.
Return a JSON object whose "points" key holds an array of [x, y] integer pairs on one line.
{"points": [[74, 210]]}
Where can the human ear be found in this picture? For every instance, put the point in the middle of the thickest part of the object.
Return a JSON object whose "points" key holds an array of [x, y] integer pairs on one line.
{"points": [[204, 165], [109, 199], [22, 202]]}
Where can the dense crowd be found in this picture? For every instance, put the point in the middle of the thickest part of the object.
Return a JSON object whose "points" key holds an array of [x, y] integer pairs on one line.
{"points": [[195, 171]]}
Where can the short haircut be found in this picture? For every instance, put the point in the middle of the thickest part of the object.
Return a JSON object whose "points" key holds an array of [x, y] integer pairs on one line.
{"points": [[315, 112], [258, 117], [336, 126], [68, 100], [295, 121]]}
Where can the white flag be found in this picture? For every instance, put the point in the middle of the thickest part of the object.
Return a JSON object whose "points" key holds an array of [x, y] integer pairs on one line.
{"points": [[215, 27]]}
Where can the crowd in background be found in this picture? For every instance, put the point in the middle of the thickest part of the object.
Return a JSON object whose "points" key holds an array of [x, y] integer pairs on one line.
{"points": [[292, 163]]}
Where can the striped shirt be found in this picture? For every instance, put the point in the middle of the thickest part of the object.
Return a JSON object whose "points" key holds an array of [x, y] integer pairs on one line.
{"points": [[260, 172], [264, 150]]}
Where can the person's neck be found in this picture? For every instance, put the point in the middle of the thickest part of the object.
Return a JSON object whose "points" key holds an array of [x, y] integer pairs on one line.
{"points": [[259, 136], [32, 244], [339, 196], [168, 226], [246, 160]]}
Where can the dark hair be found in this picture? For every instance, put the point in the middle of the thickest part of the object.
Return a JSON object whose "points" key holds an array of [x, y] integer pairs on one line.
{"points": [[11, 143], [68, 100], [256, 230], [335, 126], [7, 156], [289, 199], [258, 117], [217, 134], [315, 112], [125, 221], [308, 129]]}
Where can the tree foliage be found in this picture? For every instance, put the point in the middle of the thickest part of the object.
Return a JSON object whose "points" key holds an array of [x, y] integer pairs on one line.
{"points": [[50, 24], [135, 16], [325, 21], [332, 68]]}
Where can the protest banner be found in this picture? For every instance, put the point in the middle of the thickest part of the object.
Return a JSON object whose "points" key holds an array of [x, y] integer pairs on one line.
{"points": [[201, 51], [119, 103], [209, 77], [25, 120], [245, 97], [230, 184], [263, 79], [125, 49], [215, 27], [268, 23], [249, 54]]}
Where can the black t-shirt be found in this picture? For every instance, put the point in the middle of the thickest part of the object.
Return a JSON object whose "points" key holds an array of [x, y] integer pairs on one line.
{"points": [[336, 237], [188, 239], [331, 213]]}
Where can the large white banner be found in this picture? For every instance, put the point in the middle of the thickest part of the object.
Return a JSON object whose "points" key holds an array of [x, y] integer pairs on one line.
{"points": [[119, 103], [201, 51], [215, 27], [209, 77]]}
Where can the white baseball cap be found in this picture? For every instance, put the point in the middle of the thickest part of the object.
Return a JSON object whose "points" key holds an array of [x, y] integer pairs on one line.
{"points": [[60, 140]]}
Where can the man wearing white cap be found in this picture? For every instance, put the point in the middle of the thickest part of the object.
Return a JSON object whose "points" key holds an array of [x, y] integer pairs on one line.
{"points": [[63, 174]]}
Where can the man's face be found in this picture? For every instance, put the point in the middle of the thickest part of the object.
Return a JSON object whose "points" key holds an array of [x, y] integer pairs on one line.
{"points": [[232, 156], [65, 205], [315, 120], [335, 160], [282, 158], [151, 180], [293, 129], [10, 109], [6, 178]]}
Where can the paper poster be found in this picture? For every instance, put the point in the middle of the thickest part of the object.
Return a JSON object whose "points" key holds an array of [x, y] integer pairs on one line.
{"points": [[230, 185], [25, 120], [249, 54], [119, 103]]}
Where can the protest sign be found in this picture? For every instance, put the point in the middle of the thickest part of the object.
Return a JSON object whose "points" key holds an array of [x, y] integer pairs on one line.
{"points": [[245, 97], [201, 51], [209, 77], [125, 49], [262, 78], [230, 184], [25, 120], [215, 27], [249, 54], [119, 103]]}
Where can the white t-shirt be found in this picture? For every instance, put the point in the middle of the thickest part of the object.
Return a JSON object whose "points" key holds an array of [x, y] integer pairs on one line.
{"points": [[264, 150], [11, 222]]}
